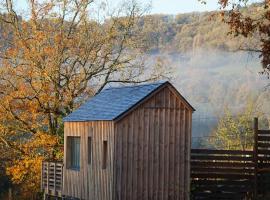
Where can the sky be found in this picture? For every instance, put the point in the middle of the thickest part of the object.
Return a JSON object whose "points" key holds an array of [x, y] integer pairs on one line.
{"points": [[164, 6], [182, 6]]}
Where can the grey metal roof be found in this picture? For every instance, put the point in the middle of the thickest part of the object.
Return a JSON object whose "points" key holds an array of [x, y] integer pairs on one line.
{"points": [[112, 102]]}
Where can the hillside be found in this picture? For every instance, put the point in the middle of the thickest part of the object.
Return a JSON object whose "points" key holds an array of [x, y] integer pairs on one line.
{"points": [[198, 48], [186, 32]]}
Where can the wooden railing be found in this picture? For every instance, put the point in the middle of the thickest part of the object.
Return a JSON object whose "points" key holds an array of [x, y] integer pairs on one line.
{"points": [[52, 178], [222, 174], [263, 163], [232, 174]]}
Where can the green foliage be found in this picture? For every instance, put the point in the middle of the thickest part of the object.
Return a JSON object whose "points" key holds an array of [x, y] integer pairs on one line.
{"points": [[234, 132]]}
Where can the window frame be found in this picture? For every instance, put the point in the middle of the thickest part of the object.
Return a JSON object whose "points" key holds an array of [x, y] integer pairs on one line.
{"points": [[89, 150], [74, 153], [104, 154]]}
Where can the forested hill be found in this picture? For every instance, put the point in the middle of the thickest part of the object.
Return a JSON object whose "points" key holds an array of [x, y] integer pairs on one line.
{"points": [[185, 32], [208, 70]]}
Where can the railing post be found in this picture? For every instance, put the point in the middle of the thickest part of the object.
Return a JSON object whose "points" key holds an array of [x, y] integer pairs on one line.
{"points": [[255, 157], [54, 178], [41, 185], [62, 178], [48, 170]]}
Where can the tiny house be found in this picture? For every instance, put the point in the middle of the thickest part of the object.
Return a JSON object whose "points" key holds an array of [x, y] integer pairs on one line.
{"points": [[129, 143]]}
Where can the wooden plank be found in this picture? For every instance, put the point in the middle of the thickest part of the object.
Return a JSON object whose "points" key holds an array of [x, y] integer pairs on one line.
{"points": [[162, 154], [135, 166], [130, 157], [171, 147], [151, 155], [228, 152], [222, 182], [264, 132], [118, 161], [165, 179], [125, 159], [227, 196], [223, 170], [264, 159], [146, 154], [221, 176], [156, 154], [266, 152], [54, 177], [47, 177], [223, 188], [141, 146], [177, 151], [264, 138], [182, 152], [221, 158], [263, 145], [222, 164], [188, 151]]}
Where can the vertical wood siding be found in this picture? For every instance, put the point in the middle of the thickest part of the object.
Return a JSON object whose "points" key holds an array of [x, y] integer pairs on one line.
{"points": [[148, 153], [91, 181], [152, 150]]}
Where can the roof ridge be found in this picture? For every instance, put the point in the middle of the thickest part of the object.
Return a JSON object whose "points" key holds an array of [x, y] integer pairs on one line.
{"points": [[139, 85]]}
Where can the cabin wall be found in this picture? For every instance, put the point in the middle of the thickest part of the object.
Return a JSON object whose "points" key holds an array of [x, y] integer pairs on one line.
{"points": [[91, 181], [152, 152]]}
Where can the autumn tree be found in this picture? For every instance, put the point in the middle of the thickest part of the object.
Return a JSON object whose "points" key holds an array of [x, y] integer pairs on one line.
{"points": [[235, 131], [61, 53], [256, 25]]}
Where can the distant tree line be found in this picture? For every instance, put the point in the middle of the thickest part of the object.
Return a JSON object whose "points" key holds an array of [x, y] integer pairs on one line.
{"points": [[187, 32]]}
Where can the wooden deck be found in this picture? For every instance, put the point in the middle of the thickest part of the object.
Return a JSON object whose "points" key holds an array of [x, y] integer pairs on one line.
{"points": [[52, 178]]}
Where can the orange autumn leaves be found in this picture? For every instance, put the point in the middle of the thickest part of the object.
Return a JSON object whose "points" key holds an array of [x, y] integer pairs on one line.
{"points": [[50, 63], [24, 170], [258, 26]]}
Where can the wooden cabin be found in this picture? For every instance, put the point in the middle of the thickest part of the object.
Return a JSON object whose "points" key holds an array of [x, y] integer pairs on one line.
{"points": [[129, 143]]}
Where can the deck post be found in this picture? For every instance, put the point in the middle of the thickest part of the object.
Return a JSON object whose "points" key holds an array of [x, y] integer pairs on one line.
{"points": [[255, 156], [10, 193]]}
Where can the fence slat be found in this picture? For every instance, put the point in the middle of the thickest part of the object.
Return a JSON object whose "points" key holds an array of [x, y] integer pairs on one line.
{"points": [[264, 132], [220, 152], [52, 178], [222, 164], [221, 158]]}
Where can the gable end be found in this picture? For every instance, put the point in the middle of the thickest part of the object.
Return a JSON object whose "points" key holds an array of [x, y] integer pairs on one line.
{"points": [[152, 94]]}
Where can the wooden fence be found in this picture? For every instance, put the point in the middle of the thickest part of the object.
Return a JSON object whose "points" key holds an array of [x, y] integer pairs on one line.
{"points": [[221, 174], [232, 174], [52, 178], [262, 149]]}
